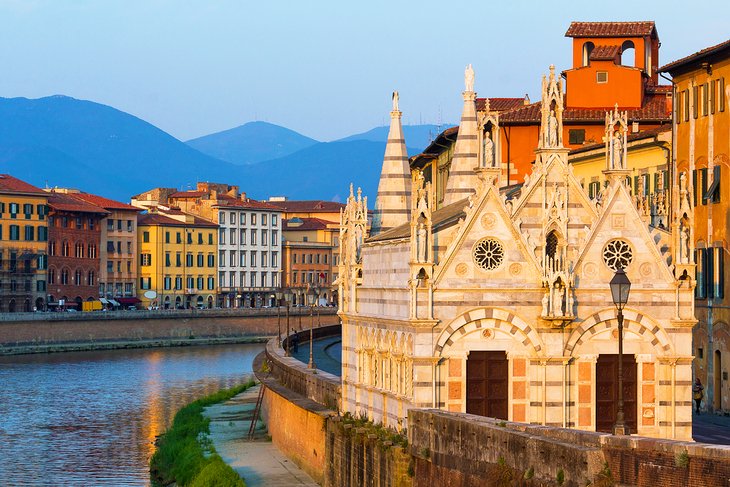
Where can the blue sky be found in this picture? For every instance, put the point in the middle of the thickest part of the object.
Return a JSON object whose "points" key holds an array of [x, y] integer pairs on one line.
{"points": [[323, 68]]}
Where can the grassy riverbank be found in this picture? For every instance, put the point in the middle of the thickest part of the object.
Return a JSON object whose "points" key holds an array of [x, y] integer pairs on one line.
{"points": [[185, 454]]}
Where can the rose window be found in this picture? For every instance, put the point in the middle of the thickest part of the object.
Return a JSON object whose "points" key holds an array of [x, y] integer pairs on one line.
{"points": [[617, 255], [488, 254]]}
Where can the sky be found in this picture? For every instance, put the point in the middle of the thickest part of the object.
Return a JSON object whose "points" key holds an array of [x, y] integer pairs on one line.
{"points": [[323, 68]]}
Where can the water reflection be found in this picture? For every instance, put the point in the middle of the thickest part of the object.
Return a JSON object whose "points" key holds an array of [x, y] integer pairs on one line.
{"points": [[90, 418]]}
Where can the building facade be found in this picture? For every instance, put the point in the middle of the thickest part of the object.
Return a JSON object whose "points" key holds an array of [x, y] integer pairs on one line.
{"points": [[308, 257], [177, 260], [23, 246], [249, 239], [702, 151], [498, 304], [74, 257], [118, 250]]}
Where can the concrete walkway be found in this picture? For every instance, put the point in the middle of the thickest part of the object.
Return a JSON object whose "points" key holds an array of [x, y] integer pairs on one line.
{"points": [[257, 461]]}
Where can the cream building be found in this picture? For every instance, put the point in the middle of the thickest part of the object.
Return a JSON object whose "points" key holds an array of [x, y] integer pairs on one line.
{"points": [[498, 303]]}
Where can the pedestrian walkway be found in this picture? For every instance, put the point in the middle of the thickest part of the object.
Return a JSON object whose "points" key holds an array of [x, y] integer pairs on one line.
{"points": [[711, 428], [327, 354], [257, 461]]}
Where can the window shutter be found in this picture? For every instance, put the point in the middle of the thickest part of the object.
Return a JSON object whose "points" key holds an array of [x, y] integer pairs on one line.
{"points": [[721, 94], [666, 179], [709, 275], [720, 272], [678, 107], [686, 105], [636, 185], [657, 175], [646, 184], [700, 289], [713, 91], [703, 173], [705, 97], [694, 187]]}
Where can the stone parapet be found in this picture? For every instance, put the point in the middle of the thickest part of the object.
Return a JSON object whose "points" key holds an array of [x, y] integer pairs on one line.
{"points": [[319, 386]]}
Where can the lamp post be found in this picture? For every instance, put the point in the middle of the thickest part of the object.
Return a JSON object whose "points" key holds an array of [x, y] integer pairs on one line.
{"points": [[287, 298], [278, 295], [620, 287], [311, 293]]}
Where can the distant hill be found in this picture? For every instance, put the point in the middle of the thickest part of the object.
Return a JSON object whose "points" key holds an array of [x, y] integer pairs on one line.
{"points": [[252, 142], [323, 171], [63, 141], [417, 136]]}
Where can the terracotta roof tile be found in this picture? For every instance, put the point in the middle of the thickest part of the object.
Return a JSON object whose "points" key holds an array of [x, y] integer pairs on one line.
{"points": [[611, 29], [605, 53], [226, 201], [500, 104], [654, 109], [11, 184], [312, 206], [105, 203], [66, 202], [307, 224], [160, 219], [692, 58]]}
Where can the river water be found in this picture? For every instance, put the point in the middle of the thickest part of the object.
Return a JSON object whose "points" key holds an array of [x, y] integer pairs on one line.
{"points": [[90, 418]]}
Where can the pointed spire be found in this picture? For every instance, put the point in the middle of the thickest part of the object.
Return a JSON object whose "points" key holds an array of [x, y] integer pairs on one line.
{"points": [[463, 178], [394, 190]]}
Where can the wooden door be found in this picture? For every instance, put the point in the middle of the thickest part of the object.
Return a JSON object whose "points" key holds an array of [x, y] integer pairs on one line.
{"points": [[487, 384], [607, 392]]}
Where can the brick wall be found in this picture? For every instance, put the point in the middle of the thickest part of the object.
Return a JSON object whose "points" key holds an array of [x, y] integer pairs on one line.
{"points": [[90, 328]]}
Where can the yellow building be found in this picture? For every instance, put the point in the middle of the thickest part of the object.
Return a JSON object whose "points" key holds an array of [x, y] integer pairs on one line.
{"points": [[177, 260], [702, 150], [648, 158], [23, 245]]}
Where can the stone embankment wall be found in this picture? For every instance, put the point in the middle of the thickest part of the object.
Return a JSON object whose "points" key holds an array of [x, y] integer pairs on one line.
{"points": [[59, 331], [462, 450]]}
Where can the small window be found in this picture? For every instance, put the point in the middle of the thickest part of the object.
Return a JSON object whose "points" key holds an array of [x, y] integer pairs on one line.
{"points": [[576, 136], [700, 353], [601, 77]]}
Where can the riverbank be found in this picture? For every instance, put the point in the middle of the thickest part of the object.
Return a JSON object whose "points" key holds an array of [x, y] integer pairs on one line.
{"points": [[185, 454], [128, 344]]}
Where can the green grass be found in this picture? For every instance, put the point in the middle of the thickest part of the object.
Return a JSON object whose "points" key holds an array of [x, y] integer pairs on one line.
{"points": [[185, 454]]}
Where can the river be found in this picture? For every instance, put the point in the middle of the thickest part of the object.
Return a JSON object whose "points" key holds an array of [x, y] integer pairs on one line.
{"points": [[91, 418]]}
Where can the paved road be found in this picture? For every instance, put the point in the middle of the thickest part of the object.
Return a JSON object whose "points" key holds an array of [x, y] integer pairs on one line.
{"points": [[257, 461], [709, 428]]}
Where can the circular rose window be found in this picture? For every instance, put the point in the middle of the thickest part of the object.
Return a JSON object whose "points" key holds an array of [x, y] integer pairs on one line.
{"points": [[488, 254], [617, 255]]}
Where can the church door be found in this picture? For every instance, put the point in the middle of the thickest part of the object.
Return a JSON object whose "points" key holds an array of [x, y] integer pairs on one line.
{"points": [[607, 392], [487, 384]]}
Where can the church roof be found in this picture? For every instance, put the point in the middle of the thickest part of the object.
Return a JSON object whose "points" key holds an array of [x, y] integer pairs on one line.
{"points": [[611, 29], [441, 217]]}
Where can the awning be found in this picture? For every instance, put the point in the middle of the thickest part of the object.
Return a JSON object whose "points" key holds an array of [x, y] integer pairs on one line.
{"points": [[128, 300], [114, 303], [103, 301]]}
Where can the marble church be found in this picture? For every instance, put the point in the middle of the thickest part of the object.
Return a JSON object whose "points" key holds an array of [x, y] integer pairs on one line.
{"points": [[498, 302]]}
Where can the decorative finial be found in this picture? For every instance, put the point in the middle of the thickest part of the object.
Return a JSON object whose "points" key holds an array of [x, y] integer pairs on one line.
{"points": [[469, 78], [352, 191], [395, 101]]}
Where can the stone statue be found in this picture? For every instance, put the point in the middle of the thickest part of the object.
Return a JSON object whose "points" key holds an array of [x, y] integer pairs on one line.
{"points": [[488, 151], [552, 135], [395, 101], [545, 303], [683, 244], [569, 304], [421, 242], [469, 79], [618, 151]]}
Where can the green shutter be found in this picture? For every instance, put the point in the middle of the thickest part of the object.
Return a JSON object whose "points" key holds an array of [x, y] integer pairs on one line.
{"points": [[720, 272], [695, 100], [694, 187], [703, 183], [713, 90], [721, 94]]}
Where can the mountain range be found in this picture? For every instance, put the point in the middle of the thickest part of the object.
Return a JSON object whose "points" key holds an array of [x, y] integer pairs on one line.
{"points": [[65, 142]]}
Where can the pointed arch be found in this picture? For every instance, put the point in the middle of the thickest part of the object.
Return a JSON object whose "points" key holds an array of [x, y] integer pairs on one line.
{"points": [[634, 321], [490, 318]]}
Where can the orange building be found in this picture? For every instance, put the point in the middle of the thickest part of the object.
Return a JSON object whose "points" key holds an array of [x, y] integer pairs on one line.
{"points": [[702, 153], [614, 63]]}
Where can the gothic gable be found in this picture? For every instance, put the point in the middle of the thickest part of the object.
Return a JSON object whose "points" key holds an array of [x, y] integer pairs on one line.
{"points": [[621, 237], [487, 249]]}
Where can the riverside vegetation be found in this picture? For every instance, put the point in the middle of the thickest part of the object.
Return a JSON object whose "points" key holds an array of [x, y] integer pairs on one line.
{"points": [[185, 454]]}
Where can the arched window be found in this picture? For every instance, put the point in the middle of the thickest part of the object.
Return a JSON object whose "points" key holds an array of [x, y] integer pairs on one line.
{"points": [[79, 250], [64, 276], [52, 247], [92, 277], [551, 244], [628, 54], [51, 276], [65, 250], [587, 50], [77, 277]]}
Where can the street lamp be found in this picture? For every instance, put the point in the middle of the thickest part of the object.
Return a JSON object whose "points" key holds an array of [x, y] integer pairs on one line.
{"points": [[620, 287], [278, 296], [311, 294], [287, 298]]}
